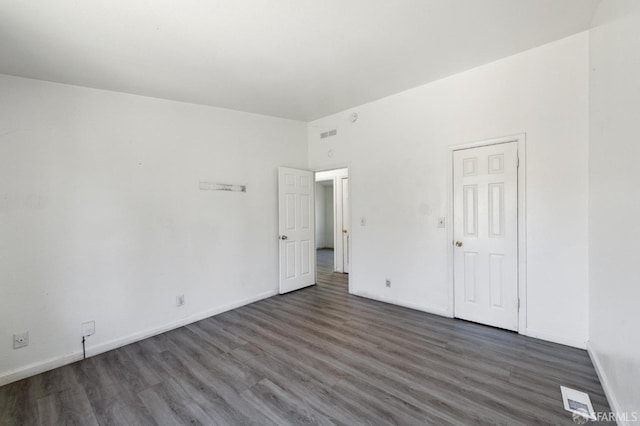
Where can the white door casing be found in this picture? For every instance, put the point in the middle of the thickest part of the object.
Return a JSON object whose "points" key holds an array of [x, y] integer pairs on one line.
{"points": [[336, 177], [346, 225], [296, 216], [485, 230]]}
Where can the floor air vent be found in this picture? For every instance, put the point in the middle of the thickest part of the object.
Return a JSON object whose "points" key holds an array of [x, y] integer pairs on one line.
{"points": [[579, 404]]}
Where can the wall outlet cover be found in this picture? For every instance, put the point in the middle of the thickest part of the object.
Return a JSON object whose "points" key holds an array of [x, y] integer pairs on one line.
{"points": [[180, 300], [20, 340], [88, 328]]}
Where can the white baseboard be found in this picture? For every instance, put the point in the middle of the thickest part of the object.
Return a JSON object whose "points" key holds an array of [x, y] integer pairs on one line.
{"points": [[38, 367], [430, 310], [576, 343], [59, 361], [604, 381], [567, 341]]}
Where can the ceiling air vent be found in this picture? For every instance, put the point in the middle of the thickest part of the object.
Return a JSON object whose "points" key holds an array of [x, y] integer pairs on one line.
{"points": [[328, 134]]}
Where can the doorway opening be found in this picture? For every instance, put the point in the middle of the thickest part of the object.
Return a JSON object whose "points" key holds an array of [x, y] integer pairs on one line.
{"points": [[333, 228]]}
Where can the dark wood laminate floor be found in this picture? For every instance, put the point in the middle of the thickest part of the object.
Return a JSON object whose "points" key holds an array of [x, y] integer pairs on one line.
{"points": [[315, 356]]}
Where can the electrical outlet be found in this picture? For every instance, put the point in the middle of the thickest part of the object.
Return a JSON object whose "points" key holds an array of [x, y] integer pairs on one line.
{"points": [[88, 328], [388, 283], [20, 340], [180, 300]]}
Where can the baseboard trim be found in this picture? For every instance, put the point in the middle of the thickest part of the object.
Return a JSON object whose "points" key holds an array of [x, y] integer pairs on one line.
{"points": [[59, 361], [576, 343], [604, 381], [430, 310], [39, 367], [580, 344]]}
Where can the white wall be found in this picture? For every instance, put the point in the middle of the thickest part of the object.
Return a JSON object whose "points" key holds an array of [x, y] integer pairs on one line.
{"points": [[101, 217], [614, 201], [397, 153]]}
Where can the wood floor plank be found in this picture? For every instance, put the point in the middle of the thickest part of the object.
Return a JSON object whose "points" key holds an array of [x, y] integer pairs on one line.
{"points": [[219, 363], [318, 394], [314, 356], [113, 401], [184, 364], [281, 406], [207, 393], [368, 366], [165, 411], [17, 406], [66, 407]]}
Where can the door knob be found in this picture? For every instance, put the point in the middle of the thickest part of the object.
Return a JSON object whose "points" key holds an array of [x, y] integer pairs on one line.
{"points": [[283, 237], [458, 243], [344, 231]]}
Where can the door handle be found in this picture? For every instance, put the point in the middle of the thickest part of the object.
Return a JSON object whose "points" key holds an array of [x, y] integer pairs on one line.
{"points": [[283, 237], [344, 231], [458, 243]]}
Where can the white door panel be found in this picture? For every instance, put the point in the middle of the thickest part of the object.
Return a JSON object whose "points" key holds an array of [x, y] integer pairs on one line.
{"points": [[296, 195], [486, 235]]}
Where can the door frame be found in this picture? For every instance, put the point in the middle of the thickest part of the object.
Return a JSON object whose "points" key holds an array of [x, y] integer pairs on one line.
{"points": [[346, 257], [521, 140], [335, 214]]}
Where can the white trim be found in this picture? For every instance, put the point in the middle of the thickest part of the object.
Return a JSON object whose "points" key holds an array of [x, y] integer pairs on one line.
{"points": [[334, 175], [315, 230], [51, 363], [522, 231], [576, 343], [606, 384], [338, 247], [430, 310], [38, 367], [521, 140], [340, 205]]}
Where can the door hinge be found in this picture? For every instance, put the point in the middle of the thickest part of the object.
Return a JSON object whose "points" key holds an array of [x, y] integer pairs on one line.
{"points": [[517, 162], [518, 303]]}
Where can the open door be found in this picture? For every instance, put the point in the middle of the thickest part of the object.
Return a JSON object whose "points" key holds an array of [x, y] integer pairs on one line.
{"points": [[296, 198]]}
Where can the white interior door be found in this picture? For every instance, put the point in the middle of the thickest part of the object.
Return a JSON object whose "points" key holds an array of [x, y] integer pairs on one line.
{"points": [[296, 198], [486, 234], [346, 224]]}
